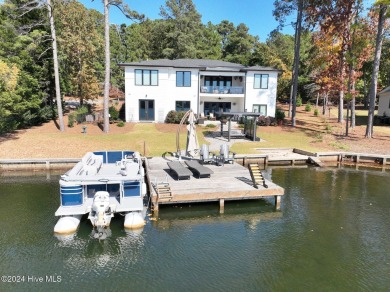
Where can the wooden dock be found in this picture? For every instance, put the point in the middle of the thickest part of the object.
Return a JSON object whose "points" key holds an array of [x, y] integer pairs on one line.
{"points": [[229, 182], [294, 156]]}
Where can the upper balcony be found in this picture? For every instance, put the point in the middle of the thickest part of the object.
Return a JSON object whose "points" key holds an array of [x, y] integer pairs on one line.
{"points": [[222, 90]]}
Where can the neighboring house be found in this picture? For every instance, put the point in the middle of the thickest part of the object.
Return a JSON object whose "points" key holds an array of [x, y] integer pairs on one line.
{"points": [[384, 102], [153, 88]]}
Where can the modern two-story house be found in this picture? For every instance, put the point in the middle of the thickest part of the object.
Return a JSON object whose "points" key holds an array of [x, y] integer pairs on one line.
{"points": [[208, 87]]}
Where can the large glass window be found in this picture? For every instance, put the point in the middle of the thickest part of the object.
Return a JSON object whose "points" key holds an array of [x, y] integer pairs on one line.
{"points": [[216, 107], [183, 79], [146, 77], [218, 81], [260, 108], [261, 81], [183, 105]]}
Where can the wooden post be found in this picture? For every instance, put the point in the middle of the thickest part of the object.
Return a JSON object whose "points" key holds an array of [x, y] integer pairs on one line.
{"points": [[266, 161], [155, 207], [221, 206], [277, 202], [47, 164], [229, 128]]}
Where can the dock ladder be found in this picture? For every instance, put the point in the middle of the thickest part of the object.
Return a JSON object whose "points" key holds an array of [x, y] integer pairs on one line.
{"points": [[163, 190], [257, 176]]}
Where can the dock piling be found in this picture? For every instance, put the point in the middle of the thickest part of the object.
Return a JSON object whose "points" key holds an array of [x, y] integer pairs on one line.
{"points": [[277, 202], [221, 206]]}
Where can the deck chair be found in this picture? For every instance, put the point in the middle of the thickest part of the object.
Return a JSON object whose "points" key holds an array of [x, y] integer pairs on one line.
{"points": [[198, 169], [180, 171], [227, 155], [205, 155]]}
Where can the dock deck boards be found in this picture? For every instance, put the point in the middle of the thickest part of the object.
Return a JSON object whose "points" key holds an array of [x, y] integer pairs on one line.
{"points": [[229, 182]]}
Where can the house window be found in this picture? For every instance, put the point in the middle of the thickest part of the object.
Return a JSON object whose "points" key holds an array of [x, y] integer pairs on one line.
{"points": [[146, 77], [183, 106], [261, 81], [260, 108], [218, 81], [183, 79]]}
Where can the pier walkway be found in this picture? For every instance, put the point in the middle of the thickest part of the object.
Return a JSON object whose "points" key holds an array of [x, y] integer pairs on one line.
{"points": [[228, 182]]}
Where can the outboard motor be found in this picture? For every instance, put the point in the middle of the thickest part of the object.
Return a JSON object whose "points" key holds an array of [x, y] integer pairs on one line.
{"points": [[101, 213]]}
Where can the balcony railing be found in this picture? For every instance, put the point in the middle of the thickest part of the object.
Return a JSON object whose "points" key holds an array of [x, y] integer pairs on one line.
{"points": [[222, 89]]}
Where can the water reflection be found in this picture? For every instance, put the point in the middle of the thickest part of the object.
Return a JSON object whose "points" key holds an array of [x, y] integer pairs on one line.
{"points": [[65, 238], [332, 234], [251, 213]]}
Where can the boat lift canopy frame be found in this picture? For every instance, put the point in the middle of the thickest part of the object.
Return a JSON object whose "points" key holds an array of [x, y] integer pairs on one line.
{"points": [[230, 115]]}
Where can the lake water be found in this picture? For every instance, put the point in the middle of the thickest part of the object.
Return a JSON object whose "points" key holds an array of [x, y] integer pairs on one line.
{"points": [[332, 234]]}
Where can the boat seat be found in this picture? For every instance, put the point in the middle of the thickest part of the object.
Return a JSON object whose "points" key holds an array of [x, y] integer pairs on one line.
{"points": [[91, 164]]}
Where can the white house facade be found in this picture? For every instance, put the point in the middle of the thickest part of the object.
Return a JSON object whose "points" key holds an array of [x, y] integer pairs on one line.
{"points": [[153, 88], [384, 102]]}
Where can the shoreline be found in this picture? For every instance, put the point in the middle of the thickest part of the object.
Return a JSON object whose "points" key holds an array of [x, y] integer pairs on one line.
{"points": [[278, 157]]}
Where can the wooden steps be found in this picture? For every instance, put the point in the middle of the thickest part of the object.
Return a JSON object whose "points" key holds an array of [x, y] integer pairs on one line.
{"points": [[257, 176], [163, 191]]}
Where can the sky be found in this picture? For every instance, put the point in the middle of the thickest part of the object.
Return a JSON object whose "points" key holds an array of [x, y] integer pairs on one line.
{"points": [[256, 14]]}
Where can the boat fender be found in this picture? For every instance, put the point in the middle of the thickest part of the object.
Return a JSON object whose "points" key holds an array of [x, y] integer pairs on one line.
{"points": [[134, 220], [143, 189]]}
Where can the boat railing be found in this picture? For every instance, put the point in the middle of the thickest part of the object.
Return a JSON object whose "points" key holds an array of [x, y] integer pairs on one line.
{"points": [[114, 156]]}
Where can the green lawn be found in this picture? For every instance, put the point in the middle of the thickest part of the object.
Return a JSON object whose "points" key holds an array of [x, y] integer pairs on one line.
{"points": [[361, 120], [294, 139]]}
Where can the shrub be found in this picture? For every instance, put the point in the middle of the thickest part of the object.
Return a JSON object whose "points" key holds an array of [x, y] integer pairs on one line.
{"points": [[81, 113], [120, 124], [47, 113], [264, 121], [82, 110], [114, 113], [211, 126], [279, 114], [71, 120], [308, 107], [122, 112], [328, 128], [299, 100], [174, 117], [316, 112]]}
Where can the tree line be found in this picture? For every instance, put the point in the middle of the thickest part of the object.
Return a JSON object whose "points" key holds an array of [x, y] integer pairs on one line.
{"points": [[337, 40]]}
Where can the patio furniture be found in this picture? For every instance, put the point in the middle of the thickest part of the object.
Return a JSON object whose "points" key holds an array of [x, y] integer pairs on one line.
{"points": [[198, 169], [180, 171], [219, 160], [205, 155], [227, 155]]}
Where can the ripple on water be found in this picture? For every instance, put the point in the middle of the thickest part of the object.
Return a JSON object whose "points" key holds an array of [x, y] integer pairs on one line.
{"points": [[328, 236]]}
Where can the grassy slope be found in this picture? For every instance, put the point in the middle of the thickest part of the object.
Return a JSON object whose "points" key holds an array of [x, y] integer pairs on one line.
{"points": [[312, 134]]}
